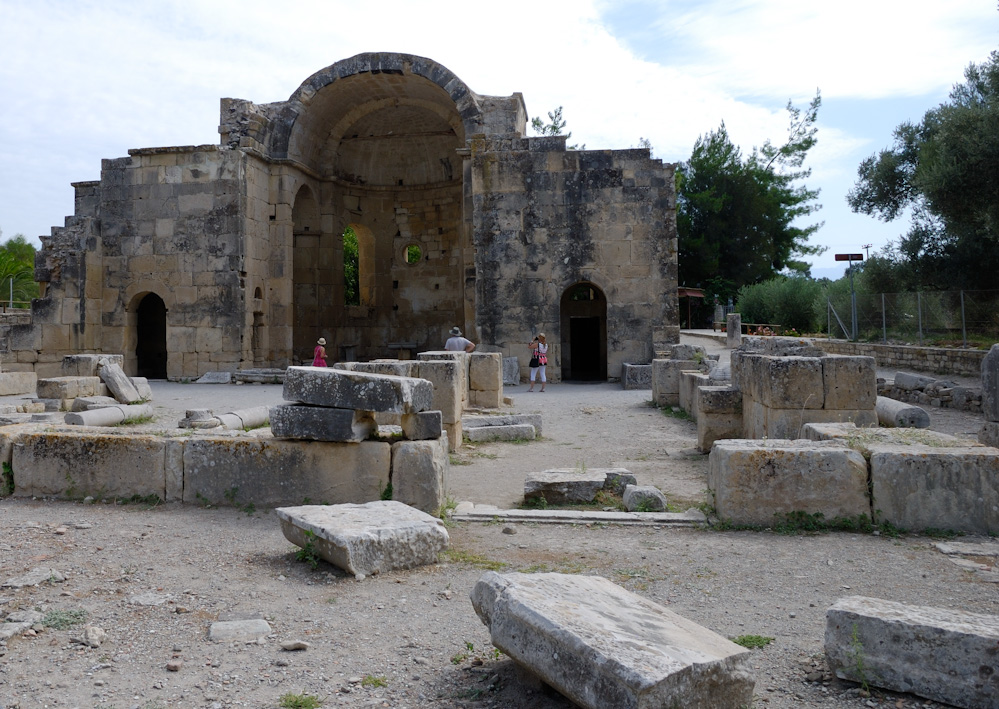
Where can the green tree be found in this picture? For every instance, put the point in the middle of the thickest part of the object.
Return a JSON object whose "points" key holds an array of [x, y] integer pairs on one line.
{"points": [[555, 126], [17, 267], [943, 172], [738, 218]]}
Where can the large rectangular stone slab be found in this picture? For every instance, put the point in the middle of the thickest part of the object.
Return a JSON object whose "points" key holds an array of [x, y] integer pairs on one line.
{"points": [[120, 386], [603, 646], [921, 487], [944, 655], [320, 423], [636, 376], [393, 367], [690, 381], [510, 432], [562, 486], [68, 387], [273, 472], [848, 382], [754, 481], [446, 377], [503, 420], [13, 383], [485, 371], [87, 365], [420, 473], [75, 465], [366, 539], [322, 386], [787, 423], [666, 380]]}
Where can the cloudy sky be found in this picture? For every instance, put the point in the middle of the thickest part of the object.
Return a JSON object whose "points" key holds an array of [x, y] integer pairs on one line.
{"points": [[83, 80]]}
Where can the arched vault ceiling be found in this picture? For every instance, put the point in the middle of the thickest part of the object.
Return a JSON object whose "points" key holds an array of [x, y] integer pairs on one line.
{"points": [[379, 129]]}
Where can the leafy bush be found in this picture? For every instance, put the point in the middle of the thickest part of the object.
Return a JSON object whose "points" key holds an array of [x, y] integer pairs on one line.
{"points": [[788, 302]]}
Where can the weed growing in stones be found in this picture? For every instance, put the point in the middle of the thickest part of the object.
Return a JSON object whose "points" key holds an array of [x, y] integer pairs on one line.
{"points": [[151, 500], [387, 492], [535, 503], [203, 501], [457, 460], [458, 556], [308, 553], [934, 533], [676, 412], [7, 481], [752, 642], [374, 681], [63, 620], [230, 495], [858, 658], [299, 701]]}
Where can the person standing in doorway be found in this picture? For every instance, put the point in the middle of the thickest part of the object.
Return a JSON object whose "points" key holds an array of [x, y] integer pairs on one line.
{"points": [[319, 355], [457, 343], [539, 360]]}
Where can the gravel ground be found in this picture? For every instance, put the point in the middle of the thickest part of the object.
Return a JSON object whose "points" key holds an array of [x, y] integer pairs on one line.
{"points": [[155, 579]]}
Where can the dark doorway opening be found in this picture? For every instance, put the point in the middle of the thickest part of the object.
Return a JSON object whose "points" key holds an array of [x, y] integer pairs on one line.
{"points": [[151, 345], [583, 321], [584, 341]]}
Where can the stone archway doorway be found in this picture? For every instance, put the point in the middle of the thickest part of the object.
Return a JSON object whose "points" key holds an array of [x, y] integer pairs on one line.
{"points": [[151, 339], [583, 320]]}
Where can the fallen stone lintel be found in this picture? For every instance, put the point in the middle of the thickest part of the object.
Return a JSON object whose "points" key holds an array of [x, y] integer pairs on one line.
{"points": [[603, 646], [943, 655]]}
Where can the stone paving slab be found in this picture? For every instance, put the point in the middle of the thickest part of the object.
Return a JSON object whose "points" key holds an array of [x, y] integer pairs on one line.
{"points": [[944, 655], [491, 513], [603, 646], [366, 539], [510, 432]]}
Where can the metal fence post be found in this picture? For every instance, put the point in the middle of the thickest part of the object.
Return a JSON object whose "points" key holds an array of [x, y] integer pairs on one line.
{"points": [[919, 312], [964, 331], [884, 321], [829, 318]]}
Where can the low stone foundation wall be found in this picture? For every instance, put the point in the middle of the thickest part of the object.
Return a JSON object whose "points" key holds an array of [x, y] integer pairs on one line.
{"points": [[943, 360]]}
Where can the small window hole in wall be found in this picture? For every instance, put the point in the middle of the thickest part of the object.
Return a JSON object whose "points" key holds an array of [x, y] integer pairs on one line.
{"points": [[413, 254]]}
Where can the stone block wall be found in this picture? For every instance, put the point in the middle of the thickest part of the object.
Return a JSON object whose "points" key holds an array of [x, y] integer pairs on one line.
{"points": [[942, 360]]}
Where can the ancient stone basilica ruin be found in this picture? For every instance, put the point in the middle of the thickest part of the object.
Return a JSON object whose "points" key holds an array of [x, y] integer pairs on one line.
{"points": [[223, 257]]}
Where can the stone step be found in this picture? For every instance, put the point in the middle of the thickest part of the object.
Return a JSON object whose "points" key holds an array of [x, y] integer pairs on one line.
{"points": [[603, 646], [467, 512], [563, 486], [510, 432]]}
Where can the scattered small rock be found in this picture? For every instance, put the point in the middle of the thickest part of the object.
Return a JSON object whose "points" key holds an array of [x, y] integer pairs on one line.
{"points": [[293, 645]]}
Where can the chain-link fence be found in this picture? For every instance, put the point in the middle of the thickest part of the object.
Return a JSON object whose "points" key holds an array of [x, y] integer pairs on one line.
{"points": [[941, 318]]}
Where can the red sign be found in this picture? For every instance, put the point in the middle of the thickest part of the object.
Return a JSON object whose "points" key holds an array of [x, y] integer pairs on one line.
{"points": [[849, 257]]}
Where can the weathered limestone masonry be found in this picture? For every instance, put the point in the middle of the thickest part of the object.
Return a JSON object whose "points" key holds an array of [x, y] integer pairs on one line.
{"points": [[989, 435], [924, 359], [927, 391], [193, 259]]}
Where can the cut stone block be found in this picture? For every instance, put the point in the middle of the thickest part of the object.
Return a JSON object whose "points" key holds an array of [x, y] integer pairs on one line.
{"points": [[75, 465], [109, 415], [319, 423], [752, 481], [84, 403], [141, 385], [603, 646], [786, 382], [420, 473], [274, 472], [787, 423], [911, 382], [367, 539], [215, 378], [511, 432], [239, 630], [485, 371], [446, 377], [921, 487], [394, 367], [424, 426], [666, 380], [901, 415], [491, 399], [568, 486], [88, 365], [503, 420], [944, 655], [861, 439], [685, 352], [636, 376], [718, 413], [454, 435], [690, 382], [733, 330], [322, 386], [511, 371], [989, 435], [67, 387], [13, 383], [644, 498], [849, 382], [121, 386], [990, 384]]}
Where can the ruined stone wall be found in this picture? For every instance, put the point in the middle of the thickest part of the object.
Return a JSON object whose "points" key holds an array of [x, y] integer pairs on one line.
{"points": [[545, 218], [940, 360]]}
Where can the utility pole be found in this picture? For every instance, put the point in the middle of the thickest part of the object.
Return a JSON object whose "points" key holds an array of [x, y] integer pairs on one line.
{"points": [[867, 250]]}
